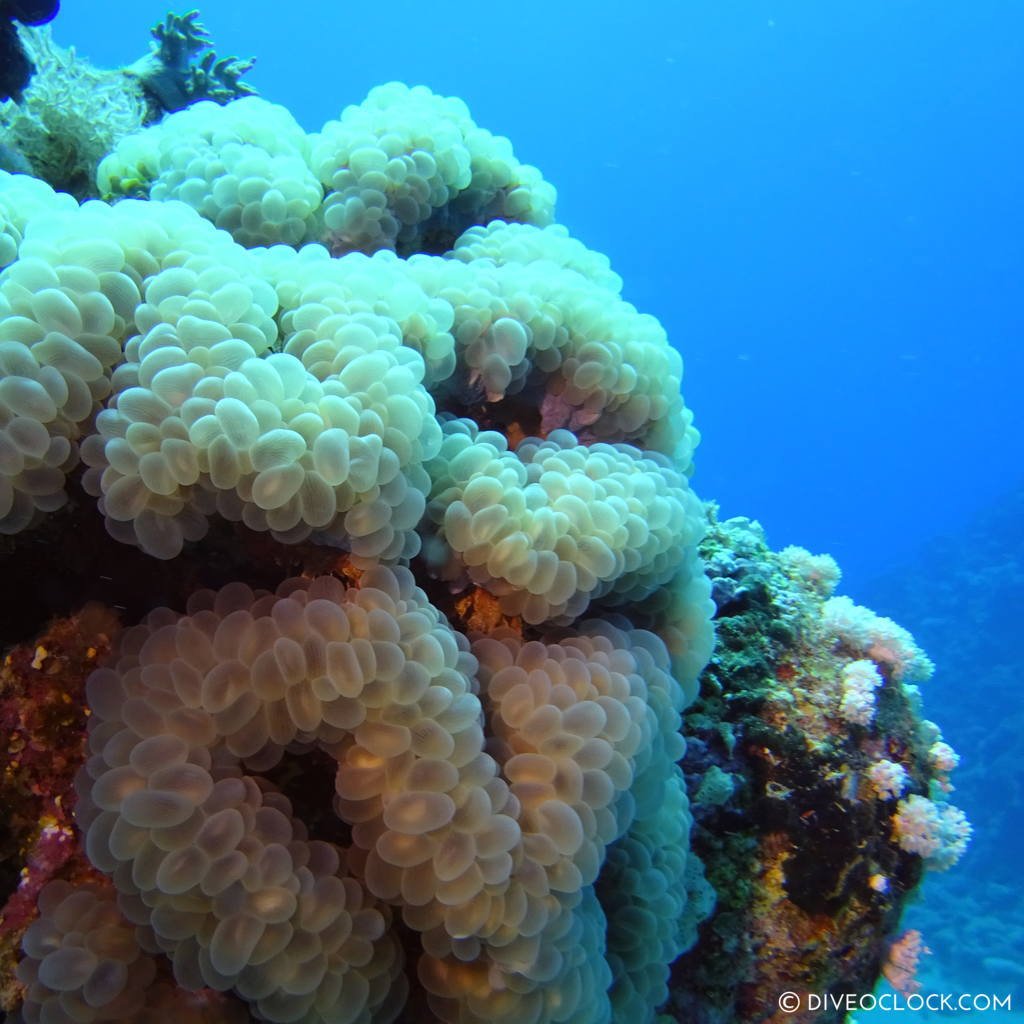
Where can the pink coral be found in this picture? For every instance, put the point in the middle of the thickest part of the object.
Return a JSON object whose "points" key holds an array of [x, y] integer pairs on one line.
{"points": [[900, 967], [877, 637], [888, 778]]}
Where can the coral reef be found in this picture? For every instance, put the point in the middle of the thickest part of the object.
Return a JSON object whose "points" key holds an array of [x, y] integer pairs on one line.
{"points": [[299, 393], [799, 845], [804, 849], [396, 514], [72, 114]]}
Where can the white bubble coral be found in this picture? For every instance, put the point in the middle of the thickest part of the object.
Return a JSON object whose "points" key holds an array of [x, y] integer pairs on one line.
{"points": [[294, 392], [540, 307], [21, 198], [148, 301], [489, 854], [406, 163], [83, 962], [556, 524], [242, 165]]}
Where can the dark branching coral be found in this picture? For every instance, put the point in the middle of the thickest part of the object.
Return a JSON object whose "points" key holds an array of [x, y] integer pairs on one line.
{"points": [[182, 68]]}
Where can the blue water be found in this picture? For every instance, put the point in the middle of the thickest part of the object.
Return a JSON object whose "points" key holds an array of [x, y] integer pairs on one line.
{"points": [[822, 203]]}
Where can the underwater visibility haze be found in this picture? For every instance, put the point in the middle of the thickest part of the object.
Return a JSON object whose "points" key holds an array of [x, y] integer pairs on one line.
{"points": [[511, 513]]}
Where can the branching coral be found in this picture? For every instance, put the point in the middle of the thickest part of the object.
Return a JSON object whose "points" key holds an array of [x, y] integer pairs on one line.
{"points": [[182, 67]]}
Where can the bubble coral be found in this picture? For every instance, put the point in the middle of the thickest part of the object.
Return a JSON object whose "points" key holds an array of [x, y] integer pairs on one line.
{"points": [[406, 170], [83, 962], [488, 853], [486, 776], [346, 339], [557, 524]]}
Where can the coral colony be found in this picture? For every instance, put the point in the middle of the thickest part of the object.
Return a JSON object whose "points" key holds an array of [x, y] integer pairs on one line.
{"points": [[437, 727]]}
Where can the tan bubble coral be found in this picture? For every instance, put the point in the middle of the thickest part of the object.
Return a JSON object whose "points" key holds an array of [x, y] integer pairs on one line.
{"points": [[487, 856], [83, 963], [556, 524], [297, 394]]}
